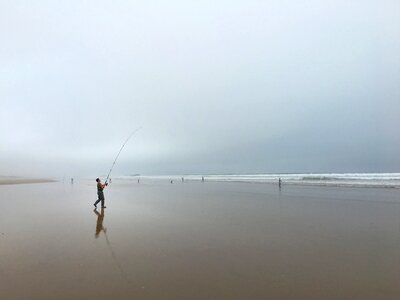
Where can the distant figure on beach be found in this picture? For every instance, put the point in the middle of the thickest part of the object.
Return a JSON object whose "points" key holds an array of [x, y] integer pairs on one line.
{"points": [[280, 182], [99, 223], [183, 179], [172, 181], [202, 178], [72, 180], [138, 180], [100, 188]]}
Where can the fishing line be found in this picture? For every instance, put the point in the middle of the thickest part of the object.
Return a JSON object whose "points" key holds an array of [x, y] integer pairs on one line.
{"points": [[120, 150], [105, 234], [117, 263]]}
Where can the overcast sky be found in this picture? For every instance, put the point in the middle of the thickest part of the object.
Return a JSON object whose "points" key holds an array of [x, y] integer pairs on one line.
{"points": [[218, 86]]}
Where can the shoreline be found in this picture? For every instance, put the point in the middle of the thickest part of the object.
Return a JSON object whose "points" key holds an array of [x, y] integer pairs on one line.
{"points": [[319, 184]]}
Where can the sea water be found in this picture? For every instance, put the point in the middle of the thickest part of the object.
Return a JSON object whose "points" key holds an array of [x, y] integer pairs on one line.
{"points": [[329, 179]]}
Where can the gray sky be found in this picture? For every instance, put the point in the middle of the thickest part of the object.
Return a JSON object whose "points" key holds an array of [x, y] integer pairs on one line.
{"points": [[218, 86]]}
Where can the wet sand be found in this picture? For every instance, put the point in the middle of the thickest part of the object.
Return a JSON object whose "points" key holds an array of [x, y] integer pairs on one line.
{"points": [[199, 241]]}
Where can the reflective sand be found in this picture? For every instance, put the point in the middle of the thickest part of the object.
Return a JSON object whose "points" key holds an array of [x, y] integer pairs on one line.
{"points": [[198, 240]]}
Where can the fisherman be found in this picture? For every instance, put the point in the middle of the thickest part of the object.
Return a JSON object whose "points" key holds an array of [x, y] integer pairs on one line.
{"points": [[280, 182], [100, 188]]}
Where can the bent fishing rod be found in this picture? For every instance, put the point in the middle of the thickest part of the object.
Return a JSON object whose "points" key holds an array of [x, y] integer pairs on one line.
{"points": [[120, 150]]}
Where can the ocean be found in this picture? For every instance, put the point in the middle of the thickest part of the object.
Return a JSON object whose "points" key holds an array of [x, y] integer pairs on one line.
{"points": [[387, 180]]}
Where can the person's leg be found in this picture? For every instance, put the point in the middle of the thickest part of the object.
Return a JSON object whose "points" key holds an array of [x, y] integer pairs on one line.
{"points": [[101, 197], [99, 194]]}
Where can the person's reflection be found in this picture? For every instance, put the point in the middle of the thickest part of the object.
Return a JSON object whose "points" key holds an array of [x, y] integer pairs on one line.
{"points": [[99, 224]]}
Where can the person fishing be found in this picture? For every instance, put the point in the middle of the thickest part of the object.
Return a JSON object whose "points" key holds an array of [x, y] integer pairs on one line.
{"points": [[100, 188]]}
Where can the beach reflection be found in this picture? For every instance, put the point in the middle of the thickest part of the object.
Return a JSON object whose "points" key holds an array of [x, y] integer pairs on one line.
{"points": [[99, 223]]}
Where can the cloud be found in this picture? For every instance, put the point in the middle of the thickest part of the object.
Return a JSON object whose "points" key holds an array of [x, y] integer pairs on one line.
{"points": [[255, 86]]}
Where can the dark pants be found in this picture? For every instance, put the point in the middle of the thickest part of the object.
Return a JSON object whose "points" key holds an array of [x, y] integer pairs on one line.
{"points": [[101, 198]]}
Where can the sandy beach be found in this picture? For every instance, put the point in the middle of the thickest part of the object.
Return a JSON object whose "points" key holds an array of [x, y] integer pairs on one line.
{"points": [[198, 240]]}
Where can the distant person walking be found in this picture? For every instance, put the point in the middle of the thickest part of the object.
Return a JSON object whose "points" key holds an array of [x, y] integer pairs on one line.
{"points": [[72, 181], [280, 182], [100, 188]]}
